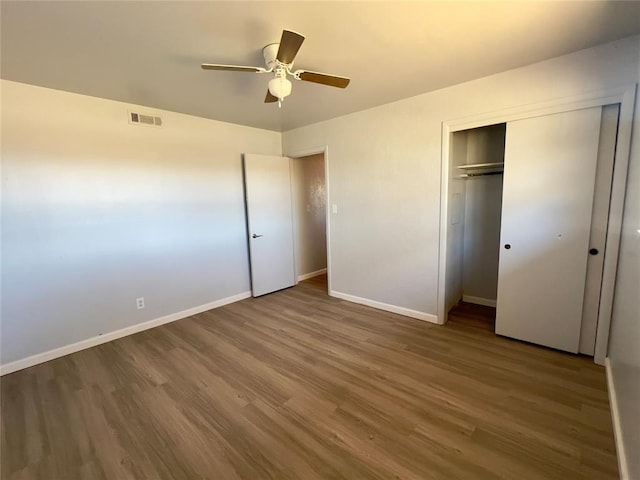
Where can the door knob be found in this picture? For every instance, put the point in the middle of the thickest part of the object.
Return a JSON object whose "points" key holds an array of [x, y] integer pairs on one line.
{"points": [[593, 251], [255, 236], [507, 246]]}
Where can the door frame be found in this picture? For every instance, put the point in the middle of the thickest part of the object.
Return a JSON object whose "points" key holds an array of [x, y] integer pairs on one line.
{"points": [[325, 152], [625, 96]]}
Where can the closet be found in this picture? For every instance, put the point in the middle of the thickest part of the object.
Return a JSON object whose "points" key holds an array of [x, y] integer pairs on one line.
{"points": [[527, 219]]}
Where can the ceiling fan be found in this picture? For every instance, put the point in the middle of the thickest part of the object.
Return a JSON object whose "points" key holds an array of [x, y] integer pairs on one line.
{"points": [[279, 61]]}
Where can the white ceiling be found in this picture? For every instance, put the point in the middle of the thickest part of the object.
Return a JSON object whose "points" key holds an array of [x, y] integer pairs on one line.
{"points": [[149, 52]]}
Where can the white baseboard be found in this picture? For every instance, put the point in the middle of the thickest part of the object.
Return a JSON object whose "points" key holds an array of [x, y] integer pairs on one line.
{"points": [[407, 312], [479, 301], [107, 337], [617, 428], [307, 276]]}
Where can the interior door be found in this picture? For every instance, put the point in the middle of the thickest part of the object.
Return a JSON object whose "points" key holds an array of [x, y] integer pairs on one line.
{"points": [[549, 178], [599, 224], [270, 222]]}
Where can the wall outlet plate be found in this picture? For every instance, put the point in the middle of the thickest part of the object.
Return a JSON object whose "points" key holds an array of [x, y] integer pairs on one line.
{"points": [[140, 302]]}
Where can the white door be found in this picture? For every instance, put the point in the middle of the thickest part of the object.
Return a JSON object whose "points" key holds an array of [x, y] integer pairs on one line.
{"points": [[599, 223], [270, 222], [549, 178]]}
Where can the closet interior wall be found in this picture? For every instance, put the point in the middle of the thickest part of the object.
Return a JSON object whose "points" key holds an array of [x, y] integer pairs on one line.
{"points": [[474, 214]]}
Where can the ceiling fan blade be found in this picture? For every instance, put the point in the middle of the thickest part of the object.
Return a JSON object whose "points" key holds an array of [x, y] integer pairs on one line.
{"points": [[289, 45], [232, 68], [323, 78], [270, 98]]}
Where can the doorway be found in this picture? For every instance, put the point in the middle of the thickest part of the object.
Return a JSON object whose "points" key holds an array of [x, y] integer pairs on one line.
{"points": [[309, 199]]}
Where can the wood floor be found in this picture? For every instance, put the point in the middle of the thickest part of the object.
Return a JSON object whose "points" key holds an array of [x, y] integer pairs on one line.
{"points": [[297, 385]]}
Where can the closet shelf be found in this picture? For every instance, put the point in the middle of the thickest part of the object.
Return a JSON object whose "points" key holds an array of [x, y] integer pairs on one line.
{"points": [[476, 166]]}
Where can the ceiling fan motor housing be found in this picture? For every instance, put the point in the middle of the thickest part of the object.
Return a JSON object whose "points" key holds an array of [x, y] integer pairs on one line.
{"points": [[269, 52]]}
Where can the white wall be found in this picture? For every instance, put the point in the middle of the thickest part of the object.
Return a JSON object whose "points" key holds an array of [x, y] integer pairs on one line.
{"points": [[483, 210], [624, 342], [97, 212], [385, 169], [309, 214]]}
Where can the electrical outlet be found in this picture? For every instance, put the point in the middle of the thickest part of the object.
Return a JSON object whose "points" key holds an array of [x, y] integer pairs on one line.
{"points": [[140, 302]]}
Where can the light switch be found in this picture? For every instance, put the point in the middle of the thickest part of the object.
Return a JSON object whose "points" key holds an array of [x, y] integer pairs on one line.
{"points": [[334, 208]]}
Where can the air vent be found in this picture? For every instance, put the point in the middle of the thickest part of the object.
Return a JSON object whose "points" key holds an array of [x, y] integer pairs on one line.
{"points": [[142, 119]]}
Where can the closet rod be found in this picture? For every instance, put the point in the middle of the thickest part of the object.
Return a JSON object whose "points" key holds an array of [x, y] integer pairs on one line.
{"points": [[469, 175]]}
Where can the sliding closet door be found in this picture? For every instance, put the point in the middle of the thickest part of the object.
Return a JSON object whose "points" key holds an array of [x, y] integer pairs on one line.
{"points": [[549, 178]]}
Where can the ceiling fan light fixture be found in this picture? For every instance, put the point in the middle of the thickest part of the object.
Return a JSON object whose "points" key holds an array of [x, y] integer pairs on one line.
{"points": [[280, 87]]}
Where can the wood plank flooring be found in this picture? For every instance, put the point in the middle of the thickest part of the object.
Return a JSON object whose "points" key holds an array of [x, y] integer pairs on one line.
{"points": [[297, 385]]}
